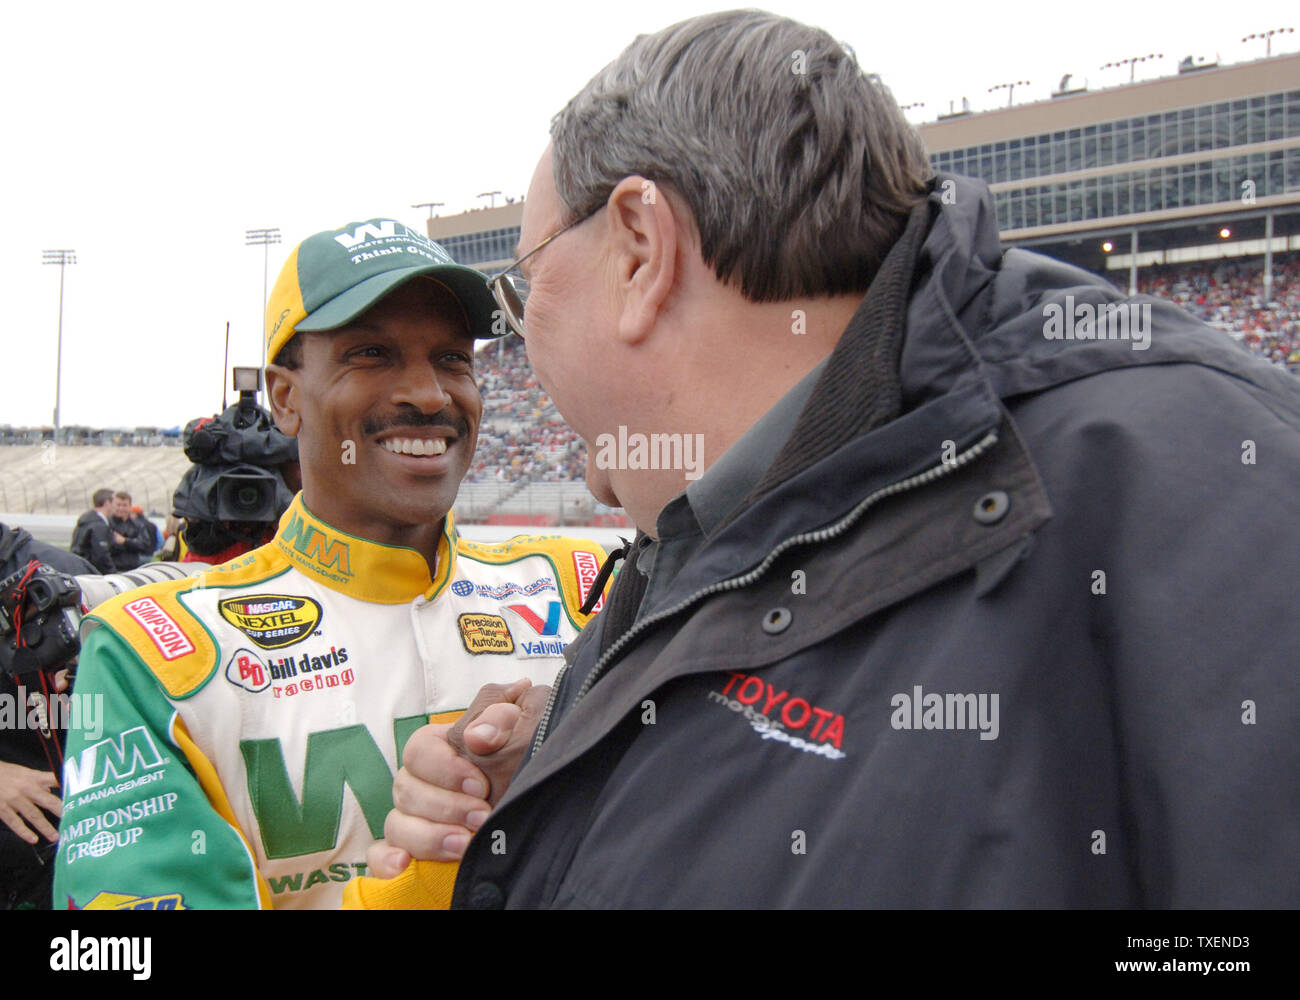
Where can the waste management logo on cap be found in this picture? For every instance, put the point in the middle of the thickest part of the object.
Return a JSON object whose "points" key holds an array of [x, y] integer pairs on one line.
{"points": [[333, 277]]}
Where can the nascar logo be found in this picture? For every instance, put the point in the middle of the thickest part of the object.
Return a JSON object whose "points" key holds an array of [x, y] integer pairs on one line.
{"points": [[272, 620]]}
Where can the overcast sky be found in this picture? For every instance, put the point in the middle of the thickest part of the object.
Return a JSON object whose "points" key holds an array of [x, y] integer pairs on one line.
{"points": [[149, 136]]}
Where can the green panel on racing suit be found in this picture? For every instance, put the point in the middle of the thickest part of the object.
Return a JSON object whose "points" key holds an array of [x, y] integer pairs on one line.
{"points": [[135, 819], [334, 757]]}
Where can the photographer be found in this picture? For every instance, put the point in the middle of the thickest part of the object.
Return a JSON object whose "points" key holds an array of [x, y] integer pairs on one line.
{"points": [[44, 592], [29, 786]]}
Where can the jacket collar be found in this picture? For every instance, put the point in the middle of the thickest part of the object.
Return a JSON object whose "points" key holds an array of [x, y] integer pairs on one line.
{"points": [[359, 567], [826, 492]]}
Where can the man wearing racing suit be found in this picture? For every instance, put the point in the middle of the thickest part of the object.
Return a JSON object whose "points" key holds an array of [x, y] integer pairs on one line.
{"points": [[254, 716]]}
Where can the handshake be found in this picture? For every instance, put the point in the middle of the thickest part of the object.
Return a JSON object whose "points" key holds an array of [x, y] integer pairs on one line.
{"points": [[453, 775]]}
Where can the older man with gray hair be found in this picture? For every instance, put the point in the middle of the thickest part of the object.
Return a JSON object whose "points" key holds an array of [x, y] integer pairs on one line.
{"points": [[960, 613]]}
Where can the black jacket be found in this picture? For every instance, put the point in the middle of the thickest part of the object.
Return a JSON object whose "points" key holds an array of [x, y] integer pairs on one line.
{"points": [[147, 534], [1102, 538], [92, 540], [136, 548]]}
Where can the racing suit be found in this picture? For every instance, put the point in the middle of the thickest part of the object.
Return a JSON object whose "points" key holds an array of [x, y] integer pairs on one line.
{"points": [[253, 717]]}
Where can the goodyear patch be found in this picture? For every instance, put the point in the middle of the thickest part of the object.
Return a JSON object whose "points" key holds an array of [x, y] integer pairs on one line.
{"points": [[486, 634], [273, 621], [124, 901]]}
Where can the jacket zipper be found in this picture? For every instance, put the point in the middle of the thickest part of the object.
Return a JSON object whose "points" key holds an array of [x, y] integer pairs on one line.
{"points": [[544, 721], [736, 582]]}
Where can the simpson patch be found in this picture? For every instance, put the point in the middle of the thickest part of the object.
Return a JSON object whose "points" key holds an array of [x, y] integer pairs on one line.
{"points": [[161, 627]]}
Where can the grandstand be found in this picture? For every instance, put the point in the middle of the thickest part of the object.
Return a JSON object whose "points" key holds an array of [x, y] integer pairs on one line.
{"points": [[1201, 165], [49, 479], [1186, 186]]}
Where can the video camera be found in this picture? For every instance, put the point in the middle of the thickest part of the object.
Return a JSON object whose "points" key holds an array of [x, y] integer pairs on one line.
{"points": [[236, 487]]}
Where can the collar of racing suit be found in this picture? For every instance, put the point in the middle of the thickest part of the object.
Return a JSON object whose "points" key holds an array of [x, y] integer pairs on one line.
{"points": [[361, 568]]}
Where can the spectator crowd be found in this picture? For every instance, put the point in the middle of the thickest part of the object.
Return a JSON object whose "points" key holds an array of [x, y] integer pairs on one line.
{"points": [[1229, 295], [522, 438]]}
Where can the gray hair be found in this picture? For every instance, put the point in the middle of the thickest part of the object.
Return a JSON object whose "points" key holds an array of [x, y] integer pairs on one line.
{"points": [[800, 169]]}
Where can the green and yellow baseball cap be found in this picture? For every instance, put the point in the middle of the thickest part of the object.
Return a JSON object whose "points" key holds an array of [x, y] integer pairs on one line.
{"points": [[333, 277]]}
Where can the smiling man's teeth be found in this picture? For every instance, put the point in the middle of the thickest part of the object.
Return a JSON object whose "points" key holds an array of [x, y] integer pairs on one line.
{"points": [[416, 446]]}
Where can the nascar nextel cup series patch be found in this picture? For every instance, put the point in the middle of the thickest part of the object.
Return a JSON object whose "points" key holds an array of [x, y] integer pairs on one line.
{"points": [[272, 620]]}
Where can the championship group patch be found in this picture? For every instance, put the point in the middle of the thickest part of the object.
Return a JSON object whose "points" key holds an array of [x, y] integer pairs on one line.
{"points": [[486, 634], [272, 620]]}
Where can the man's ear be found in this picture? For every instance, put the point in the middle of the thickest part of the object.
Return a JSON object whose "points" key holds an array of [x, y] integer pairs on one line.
{"points": [[643, 245], [282, 392]]}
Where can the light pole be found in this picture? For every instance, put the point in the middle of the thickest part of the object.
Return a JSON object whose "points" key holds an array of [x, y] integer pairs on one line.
{"points": [[428, 223], [1268, 38], [1010, 88], [262, 238], [63, 258], [1131, 62], [489, 194]]}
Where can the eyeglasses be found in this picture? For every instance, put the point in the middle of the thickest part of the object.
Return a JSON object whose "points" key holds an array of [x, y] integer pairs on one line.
{"points": [[503, 286]]}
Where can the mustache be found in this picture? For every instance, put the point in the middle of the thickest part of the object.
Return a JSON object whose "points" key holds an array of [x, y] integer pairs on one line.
{"points": [[414, 418]]}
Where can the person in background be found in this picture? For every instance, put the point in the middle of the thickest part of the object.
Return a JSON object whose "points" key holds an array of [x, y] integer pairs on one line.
{"points": [[92, 538], [129, 547], [146, 531]]}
